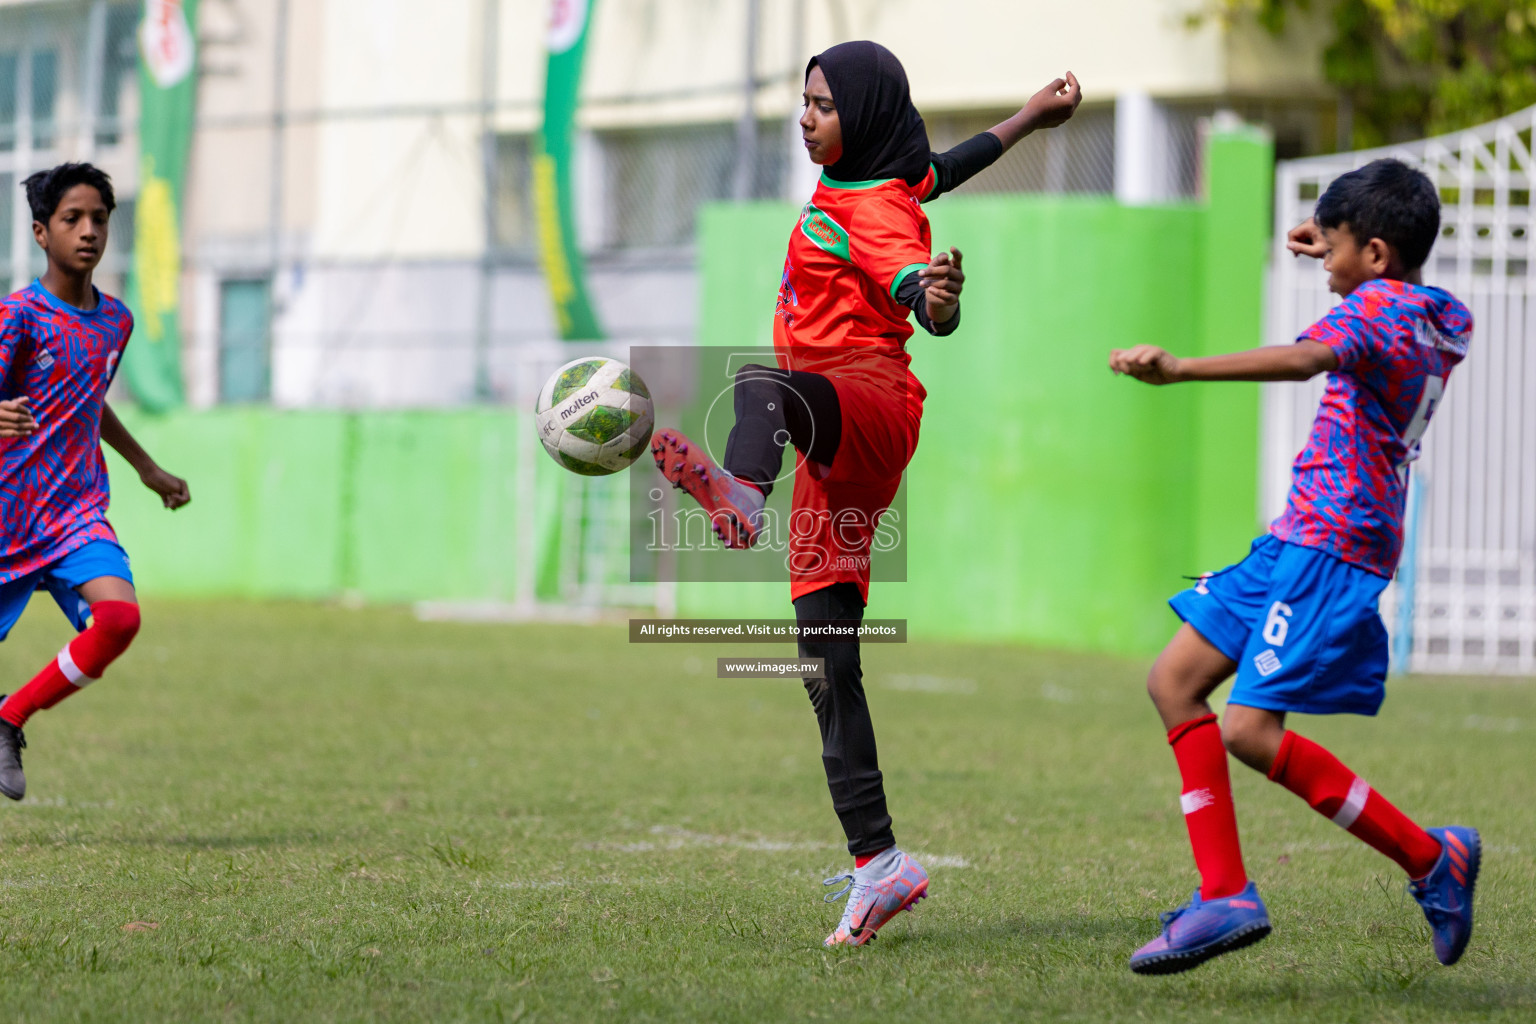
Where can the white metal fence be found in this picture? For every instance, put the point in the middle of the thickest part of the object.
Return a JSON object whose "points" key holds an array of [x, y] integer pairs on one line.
{"points": [[1469, 575]]}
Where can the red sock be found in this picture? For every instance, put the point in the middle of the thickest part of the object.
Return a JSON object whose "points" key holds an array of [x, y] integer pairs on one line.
{"points": [[865, 858], [1335, 792], [1208, 811], [80, 663]]}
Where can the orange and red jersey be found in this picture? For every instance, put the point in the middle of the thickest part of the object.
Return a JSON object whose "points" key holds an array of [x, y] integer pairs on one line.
{"points": [[838, 316], [837, 313]]}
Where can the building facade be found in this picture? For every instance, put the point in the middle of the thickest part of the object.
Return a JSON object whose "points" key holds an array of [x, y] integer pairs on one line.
{"points": [[358, 230]]}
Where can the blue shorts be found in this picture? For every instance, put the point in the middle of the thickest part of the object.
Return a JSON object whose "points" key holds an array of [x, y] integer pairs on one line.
{"points": [[1302, 626], [60, 578]]}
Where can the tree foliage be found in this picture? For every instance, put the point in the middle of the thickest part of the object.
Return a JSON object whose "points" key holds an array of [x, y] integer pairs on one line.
{"points": [[1409, 68]]}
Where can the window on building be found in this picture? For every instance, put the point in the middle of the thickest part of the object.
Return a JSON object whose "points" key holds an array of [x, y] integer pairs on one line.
{"points": [[10, 64], [1079, 156], [7, 211], [47, 57], [119, 69], [515, 229], [655, 180], [245, 333], [35, 75], [45, 95]]}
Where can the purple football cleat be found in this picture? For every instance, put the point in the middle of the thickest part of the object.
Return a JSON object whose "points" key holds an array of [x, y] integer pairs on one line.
{"points": [[1201, 929], [1446, 892]]}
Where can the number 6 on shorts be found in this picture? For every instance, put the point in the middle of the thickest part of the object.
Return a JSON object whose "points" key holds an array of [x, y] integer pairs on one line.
{"points": [[1276, 625]]}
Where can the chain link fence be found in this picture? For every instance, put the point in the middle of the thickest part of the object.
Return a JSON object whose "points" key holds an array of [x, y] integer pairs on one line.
{"points": [[270, 316], [648, 183]]}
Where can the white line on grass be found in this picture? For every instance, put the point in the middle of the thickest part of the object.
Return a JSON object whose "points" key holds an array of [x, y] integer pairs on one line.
{"points": [[572, 883], [59, 801], [671, 837], [1488, 723], [929, 684], [680, 838], [501, 612], [941, 860]]}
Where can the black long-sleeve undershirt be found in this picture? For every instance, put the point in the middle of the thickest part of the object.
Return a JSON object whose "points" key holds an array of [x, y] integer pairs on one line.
{"points": [[955, 167], [951, 169]]}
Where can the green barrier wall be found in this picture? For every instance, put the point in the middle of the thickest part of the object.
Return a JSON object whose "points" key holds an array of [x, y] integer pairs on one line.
{"points": [[266, 514], [391, 507], [1050, 502]]}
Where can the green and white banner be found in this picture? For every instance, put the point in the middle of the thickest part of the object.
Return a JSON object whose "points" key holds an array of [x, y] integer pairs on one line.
{"points": [[167, 90], [559, 249]]}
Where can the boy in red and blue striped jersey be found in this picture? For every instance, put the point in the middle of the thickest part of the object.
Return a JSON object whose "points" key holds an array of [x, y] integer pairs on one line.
{"points": [[61, 341], [1297, 619]]}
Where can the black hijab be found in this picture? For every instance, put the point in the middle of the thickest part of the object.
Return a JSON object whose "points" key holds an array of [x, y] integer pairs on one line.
{"points": [[883, 134]]}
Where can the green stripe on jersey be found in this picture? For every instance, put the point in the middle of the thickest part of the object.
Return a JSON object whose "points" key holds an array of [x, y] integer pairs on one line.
{"points": [[832, 183], [825, 232], [902, 273]]}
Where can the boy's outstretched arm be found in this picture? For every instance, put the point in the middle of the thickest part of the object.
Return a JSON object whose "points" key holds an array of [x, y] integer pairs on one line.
{"points": [[1152, 365], [172, 489]]}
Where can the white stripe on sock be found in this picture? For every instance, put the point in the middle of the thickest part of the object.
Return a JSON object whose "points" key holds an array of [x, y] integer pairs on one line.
{"points": [[72, 671], [1195, 800], [1359, 792]]}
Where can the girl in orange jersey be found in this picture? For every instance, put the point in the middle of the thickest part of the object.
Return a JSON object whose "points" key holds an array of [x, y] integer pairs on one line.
{"points": [[843, 394]]}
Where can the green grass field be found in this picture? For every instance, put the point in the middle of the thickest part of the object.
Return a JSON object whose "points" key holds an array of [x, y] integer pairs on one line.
{"points": [[296, 813]]}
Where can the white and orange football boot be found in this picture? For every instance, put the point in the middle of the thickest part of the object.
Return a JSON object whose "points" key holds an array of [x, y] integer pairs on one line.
{"points": [[877, 892]]}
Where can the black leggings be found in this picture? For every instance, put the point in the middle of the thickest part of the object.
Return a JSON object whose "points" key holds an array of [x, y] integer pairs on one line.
{"points": [[776, 407], [847, 734]]}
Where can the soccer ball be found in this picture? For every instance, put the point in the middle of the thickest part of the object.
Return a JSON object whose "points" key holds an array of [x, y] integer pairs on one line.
{"points": [[594, 416]]}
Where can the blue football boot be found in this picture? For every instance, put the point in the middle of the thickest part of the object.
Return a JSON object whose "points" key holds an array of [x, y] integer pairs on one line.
{"points": [[1201, 929], [1446, 892]]}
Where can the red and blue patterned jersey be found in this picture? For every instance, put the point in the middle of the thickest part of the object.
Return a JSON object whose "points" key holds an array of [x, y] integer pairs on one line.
{"points": [[1396, 344], [53, 484]]}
